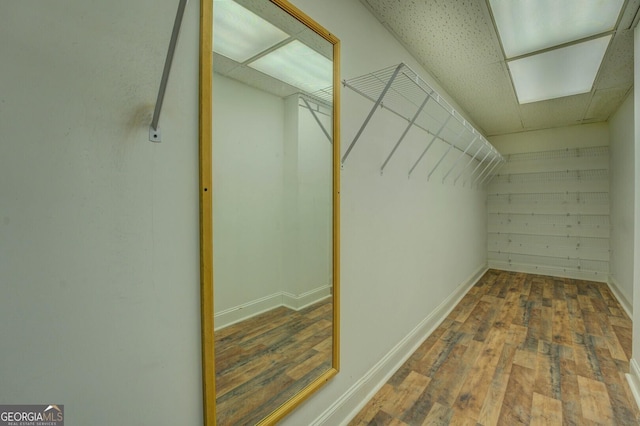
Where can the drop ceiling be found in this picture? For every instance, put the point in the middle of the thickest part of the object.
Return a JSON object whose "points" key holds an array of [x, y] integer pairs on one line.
{"points": [[457, 42]]}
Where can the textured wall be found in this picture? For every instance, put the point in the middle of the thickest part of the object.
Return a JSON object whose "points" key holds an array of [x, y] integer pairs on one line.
{"points": [[98, 226]]}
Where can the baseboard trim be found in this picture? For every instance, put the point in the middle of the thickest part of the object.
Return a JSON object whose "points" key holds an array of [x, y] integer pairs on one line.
{"points": [[301, 301], [351, 402], [615, 289], [550, 271], [633, 378], [247, 310]]}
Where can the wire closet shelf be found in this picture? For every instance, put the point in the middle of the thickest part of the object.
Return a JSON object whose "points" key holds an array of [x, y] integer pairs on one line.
{"points": [[399, 90]]}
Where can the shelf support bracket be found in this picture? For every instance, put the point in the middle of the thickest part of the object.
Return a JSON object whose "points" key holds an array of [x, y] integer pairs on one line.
{"points": [[493, 170], [477, 166], [451, 145], [413, 120], [430, 143], [500, 164], [455, 163], [315, 116], [484, 170], [375, 107], [468, 164], [154, 131]]}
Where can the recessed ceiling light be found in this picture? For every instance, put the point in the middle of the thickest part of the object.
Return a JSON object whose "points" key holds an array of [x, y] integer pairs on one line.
{"points": [[240, 34], [298, 65], [527, 26], [556, 73]]}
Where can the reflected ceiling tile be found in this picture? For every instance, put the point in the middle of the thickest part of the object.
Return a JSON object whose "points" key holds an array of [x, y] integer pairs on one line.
{"points": [[298, 65], [222, 64], [561, 72], [240, 34], [529, 26], [262, 81]]}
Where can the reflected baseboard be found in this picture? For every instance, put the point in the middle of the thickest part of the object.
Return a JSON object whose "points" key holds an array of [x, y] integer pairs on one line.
{"points": [[248, 310], [301, 301]]}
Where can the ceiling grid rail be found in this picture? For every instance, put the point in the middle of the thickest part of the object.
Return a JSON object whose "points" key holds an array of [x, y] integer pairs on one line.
{"points": [[404, 93]]}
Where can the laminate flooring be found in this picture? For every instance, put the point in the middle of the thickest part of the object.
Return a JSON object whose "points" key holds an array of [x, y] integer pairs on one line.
{"points": [[519, 349], [265, 360]]}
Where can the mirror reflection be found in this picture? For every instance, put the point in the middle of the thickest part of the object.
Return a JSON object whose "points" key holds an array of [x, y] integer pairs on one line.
{"points": [[272, 208]]}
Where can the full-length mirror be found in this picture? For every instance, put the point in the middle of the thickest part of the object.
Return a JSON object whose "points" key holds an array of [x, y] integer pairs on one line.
{"points": [[275, 202]]}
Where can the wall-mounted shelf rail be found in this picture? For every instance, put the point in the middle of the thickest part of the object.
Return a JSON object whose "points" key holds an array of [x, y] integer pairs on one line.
{"points": [[399, 90]]}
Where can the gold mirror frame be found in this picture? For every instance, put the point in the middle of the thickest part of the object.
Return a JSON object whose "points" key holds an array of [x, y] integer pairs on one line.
{"points": [[206, 214]]}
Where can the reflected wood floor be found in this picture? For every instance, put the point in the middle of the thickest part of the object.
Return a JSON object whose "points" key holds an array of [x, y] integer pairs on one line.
{"points": [[518, 349], [265, 360]]}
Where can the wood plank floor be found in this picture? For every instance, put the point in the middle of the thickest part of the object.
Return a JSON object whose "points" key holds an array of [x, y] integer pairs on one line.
{"points": [[519, 349], [264, 361]]}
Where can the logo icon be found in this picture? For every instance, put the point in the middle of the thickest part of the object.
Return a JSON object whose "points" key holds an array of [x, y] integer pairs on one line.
{"points": [[32, 415]]}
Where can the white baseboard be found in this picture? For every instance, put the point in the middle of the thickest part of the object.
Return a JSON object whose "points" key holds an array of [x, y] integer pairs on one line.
{"points": [[633, 378], [352, 401], [615, 289], [547, 270], [301, 301], [247, 310]]}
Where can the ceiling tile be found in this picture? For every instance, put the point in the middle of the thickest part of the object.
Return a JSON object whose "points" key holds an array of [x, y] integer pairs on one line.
{"points": [[442, 34], [604, 103], [487, 91], [629, 14], [555, 112], [456, 42], [617, 69]]}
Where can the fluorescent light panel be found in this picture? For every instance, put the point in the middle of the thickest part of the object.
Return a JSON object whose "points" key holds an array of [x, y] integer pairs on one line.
{"points": [[240, 34], [561, 72], [527, 26], [298, 65]]}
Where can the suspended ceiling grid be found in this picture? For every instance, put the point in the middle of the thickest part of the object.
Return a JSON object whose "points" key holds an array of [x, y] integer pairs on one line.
{"points": [[455, 40]]}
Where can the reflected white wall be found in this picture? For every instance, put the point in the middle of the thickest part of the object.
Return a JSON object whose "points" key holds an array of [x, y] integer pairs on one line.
{"points": [[272, 202]]}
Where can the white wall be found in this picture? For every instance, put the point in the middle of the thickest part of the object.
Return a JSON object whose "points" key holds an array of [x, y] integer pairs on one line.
{"points": [[406, 244], [549, 207], [314, 229], [248, 193], [579, 136], [271, 205], [99, 308], [621, 130], [99, 236]]}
